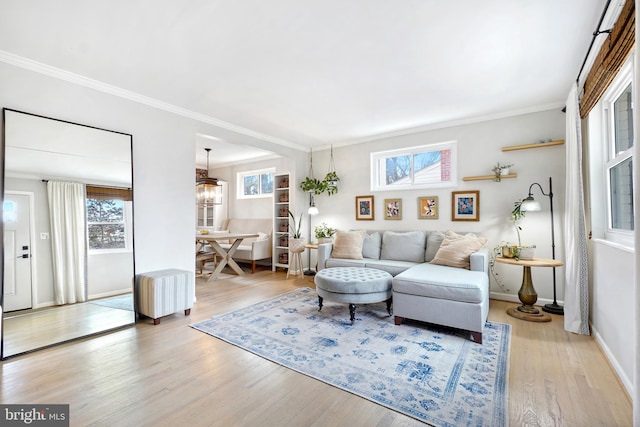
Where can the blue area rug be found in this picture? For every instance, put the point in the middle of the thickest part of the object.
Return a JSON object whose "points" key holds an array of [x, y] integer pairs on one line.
{"points": [[122, 302], [433, 374]]}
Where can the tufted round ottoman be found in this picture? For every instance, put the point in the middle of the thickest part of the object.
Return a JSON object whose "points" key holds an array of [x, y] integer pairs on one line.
{"points": [[353, 285]]}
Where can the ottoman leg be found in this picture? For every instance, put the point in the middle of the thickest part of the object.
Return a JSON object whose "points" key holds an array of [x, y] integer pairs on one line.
{"points": [[320, 302], [156, 321], [187, 311], [398, 320], [389, 305], [352, 312]]}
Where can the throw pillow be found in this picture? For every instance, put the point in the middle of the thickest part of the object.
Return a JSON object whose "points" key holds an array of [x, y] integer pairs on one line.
{"points": [[371, 245], [408, 246], [348, 244], [456, 249], [433, 244]]}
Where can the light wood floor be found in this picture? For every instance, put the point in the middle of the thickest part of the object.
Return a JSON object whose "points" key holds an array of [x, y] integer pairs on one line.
{"points": [[171, 375], [42, 328]]}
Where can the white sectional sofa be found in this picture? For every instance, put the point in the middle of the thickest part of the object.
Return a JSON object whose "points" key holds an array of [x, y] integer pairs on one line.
{"points": [[435, 282]]}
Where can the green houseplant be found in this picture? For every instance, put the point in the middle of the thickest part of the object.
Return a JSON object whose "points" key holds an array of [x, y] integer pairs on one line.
{"points": [[295, 229], [313, 185], [500, 170], [323, 232]]}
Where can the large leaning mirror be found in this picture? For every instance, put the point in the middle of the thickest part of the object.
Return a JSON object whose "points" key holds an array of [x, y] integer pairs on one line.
{"points": [[67, 231]]}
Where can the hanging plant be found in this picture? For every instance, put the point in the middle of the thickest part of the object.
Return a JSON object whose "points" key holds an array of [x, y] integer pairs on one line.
{"points": [[331, 182], [331, 178], [313, 185]]}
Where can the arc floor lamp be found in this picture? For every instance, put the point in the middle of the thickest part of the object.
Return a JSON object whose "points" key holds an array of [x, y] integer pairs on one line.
{"points": [[313, 210], [530, 205]]}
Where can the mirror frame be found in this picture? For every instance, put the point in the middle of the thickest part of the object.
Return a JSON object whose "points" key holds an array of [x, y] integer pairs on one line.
{"points": [[2, 199]]}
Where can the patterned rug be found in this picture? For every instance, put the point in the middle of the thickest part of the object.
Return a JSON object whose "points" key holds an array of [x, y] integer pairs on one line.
{"points": [[430, 373], [122, 302]]}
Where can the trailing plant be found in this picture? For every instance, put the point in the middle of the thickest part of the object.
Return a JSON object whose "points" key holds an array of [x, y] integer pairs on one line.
{"points": [[516, 215], [497, 251], [313, 185], [497, 171], [295, 231], [324, 231], [331, 180]]}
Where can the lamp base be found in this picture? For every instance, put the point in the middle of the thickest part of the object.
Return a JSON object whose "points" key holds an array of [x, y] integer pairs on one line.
{"points": [[553, 308], [309, 272]]}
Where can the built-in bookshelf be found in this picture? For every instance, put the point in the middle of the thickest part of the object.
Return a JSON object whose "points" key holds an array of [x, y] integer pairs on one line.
{"points": [[282, 195]]}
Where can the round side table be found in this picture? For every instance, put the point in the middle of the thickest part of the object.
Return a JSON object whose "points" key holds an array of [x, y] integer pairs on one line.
{"points": [[527, 292]]}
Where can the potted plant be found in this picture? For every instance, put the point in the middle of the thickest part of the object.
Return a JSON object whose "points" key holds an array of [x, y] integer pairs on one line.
{"points": [[518, 251], [500, 170], [324, 233], [313, 185], [296, 241], [331, 181]]}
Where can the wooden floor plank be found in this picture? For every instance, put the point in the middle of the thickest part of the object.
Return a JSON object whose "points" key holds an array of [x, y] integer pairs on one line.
{"points": [[171, 374]]}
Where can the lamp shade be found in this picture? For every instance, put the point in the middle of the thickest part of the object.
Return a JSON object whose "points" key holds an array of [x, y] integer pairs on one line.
{"points": [[530, 205], [313, 210]]}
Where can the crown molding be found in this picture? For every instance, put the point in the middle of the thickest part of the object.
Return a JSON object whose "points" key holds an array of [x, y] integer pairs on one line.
{"points": [[58, 73], [452, 123]]}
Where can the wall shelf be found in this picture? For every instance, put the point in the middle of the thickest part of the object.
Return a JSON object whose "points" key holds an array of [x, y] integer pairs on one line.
{"points": [[491, 177], [527, 146]]}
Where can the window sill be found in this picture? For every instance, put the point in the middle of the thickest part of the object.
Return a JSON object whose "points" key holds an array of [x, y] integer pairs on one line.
{"points": [[615, 245]]}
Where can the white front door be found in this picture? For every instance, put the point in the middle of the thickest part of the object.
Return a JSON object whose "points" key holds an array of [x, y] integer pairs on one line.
{"points": [[17, 252]]}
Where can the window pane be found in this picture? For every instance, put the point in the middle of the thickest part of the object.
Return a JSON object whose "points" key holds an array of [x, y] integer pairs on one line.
{"points": [[398, 170], [105, 210], [106, 236], [9, 211], [621, 179], [623, 121], [430, 166], [250, 185], [266, 183]]}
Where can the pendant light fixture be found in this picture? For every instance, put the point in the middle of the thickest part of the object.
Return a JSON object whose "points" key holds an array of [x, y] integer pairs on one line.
{"points": [[208, 191]]}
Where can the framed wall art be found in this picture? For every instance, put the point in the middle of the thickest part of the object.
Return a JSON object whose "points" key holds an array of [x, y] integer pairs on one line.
{"points": [[428, 207], [392, 208], [465, 205], [364, 208]]}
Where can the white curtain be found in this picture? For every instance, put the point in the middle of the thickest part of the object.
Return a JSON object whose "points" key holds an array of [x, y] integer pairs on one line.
{"points": [[67, 208], [576, 292]]}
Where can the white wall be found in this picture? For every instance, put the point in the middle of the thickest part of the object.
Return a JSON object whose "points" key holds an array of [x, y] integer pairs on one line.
{"points": [[163, 156], [479, 148], [612, 305]]}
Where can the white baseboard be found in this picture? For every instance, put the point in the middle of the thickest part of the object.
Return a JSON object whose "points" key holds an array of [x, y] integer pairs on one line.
{"points": [[626, 382]]}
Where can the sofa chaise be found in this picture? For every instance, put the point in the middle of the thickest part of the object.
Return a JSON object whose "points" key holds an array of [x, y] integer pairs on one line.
{"points": [[439, 278]]}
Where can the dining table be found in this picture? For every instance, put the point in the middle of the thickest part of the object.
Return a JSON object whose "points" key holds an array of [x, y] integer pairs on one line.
{"points": [[225, 256]]}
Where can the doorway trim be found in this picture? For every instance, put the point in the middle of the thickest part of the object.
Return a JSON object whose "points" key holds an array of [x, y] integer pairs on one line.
{"points": [[32, 243]]}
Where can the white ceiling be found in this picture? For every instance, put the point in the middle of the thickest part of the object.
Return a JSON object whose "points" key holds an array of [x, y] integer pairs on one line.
{"points": [[316, 72]]}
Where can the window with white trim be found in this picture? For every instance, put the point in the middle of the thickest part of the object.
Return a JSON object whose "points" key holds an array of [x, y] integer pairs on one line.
{"points": [[612, 148], [426, 166], [618, 109], [254, 184]]}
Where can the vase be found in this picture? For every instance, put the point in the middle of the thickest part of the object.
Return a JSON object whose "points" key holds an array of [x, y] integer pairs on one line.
{"points": [[504, 171], [297, 244], [322, 240]]}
